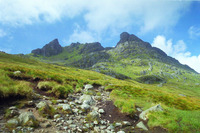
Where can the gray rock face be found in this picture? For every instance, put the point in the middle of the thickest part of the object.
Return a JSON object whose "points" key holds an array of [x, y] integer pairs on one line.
{"points": [[154, 108], [52, 48], [91, 47], [127, 37]]}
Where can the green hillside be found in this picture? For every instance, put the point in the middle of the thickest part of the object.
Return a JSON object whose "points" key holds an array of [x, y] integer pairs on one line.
{"points": [[178, 94]]}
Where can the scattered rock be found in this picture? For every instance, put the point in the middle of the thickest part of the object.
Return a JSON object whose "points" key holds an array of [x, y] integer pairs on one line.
{"points": [[142, 126]]}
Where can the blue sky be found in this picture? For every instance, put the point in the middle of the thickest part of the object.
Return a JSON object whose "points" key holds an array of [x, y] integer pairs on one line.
{"points": [[173, 26]]}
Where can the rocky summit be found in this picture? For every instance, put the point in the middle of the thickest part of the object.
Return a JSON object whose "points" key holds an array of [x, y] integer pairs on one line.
{"points": [[50, 49]]}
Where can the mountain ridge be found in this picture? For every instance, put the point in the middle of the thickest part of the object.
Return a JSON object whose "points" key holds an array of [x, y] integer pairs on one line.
{"points": [[129, 46]]}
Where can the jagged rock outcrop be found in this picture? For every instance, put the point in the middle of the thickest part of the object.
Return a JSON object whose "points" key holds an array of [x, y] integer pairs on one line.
{"points": [[52, 48], [124, 37], [91, 47]]}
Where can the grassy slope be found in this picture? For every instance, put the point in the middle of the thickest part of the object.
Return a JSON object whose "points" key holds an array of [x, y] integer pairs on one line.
{"points": [[180, 113]]}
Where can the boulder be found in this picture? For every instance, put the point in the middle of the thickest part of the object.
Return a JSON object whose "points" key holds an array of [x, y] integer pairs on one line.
{"points": [[12, 123], [101, 111], [87, 99], [27, 119], [88, 87], [42, 104], [85, 107], [154, 108]]}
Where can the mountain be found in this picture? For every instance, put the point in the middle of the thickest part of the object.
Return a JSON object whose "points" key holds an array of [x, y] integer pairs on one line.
{"points": [[50, 49], [120, 61]]}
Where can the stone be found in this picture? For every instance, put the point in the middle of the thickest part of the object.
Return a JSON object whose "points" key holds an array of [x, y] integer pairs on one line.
{"points": [[88, 87], [28, 119], [87, 99], [13, 108], [16, 72], [12, 123], [72, 126], [103, 127], [45, 125], [65, 106], [97, 129], [110, 127], [85, 107], [30, 103], [78, 102], [42, 104], [96, 122], [101, 111], [94, 114], [126, 123], [139, 109], [154, 108], [120, 132], [103, 122], [118, 124], [142, 126], [56, 116], [59, 101]]}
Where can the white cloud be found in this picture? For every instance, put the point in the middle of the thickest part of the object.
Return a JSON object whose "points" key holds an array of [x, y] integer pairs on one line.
{"points": [[100, 15], [178, 51], [82, 36], [2, 33], [194, 32]]}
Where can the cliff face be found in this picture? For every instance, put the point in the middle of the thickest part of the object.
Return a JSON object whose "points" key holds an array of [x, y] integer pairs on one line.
{"points": [[52, 48]]}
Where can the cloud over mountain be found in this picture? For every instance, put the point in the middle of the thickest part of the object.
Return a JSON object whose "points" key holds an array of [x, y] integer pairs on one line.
{"points": [[178, 51]]}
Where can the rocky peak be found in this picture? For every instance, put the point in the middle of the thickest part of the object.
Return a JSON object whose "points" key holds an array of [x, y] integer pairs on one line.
{"points": [[91, 47], [73, 45], [52, 48], [124, 36]]}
